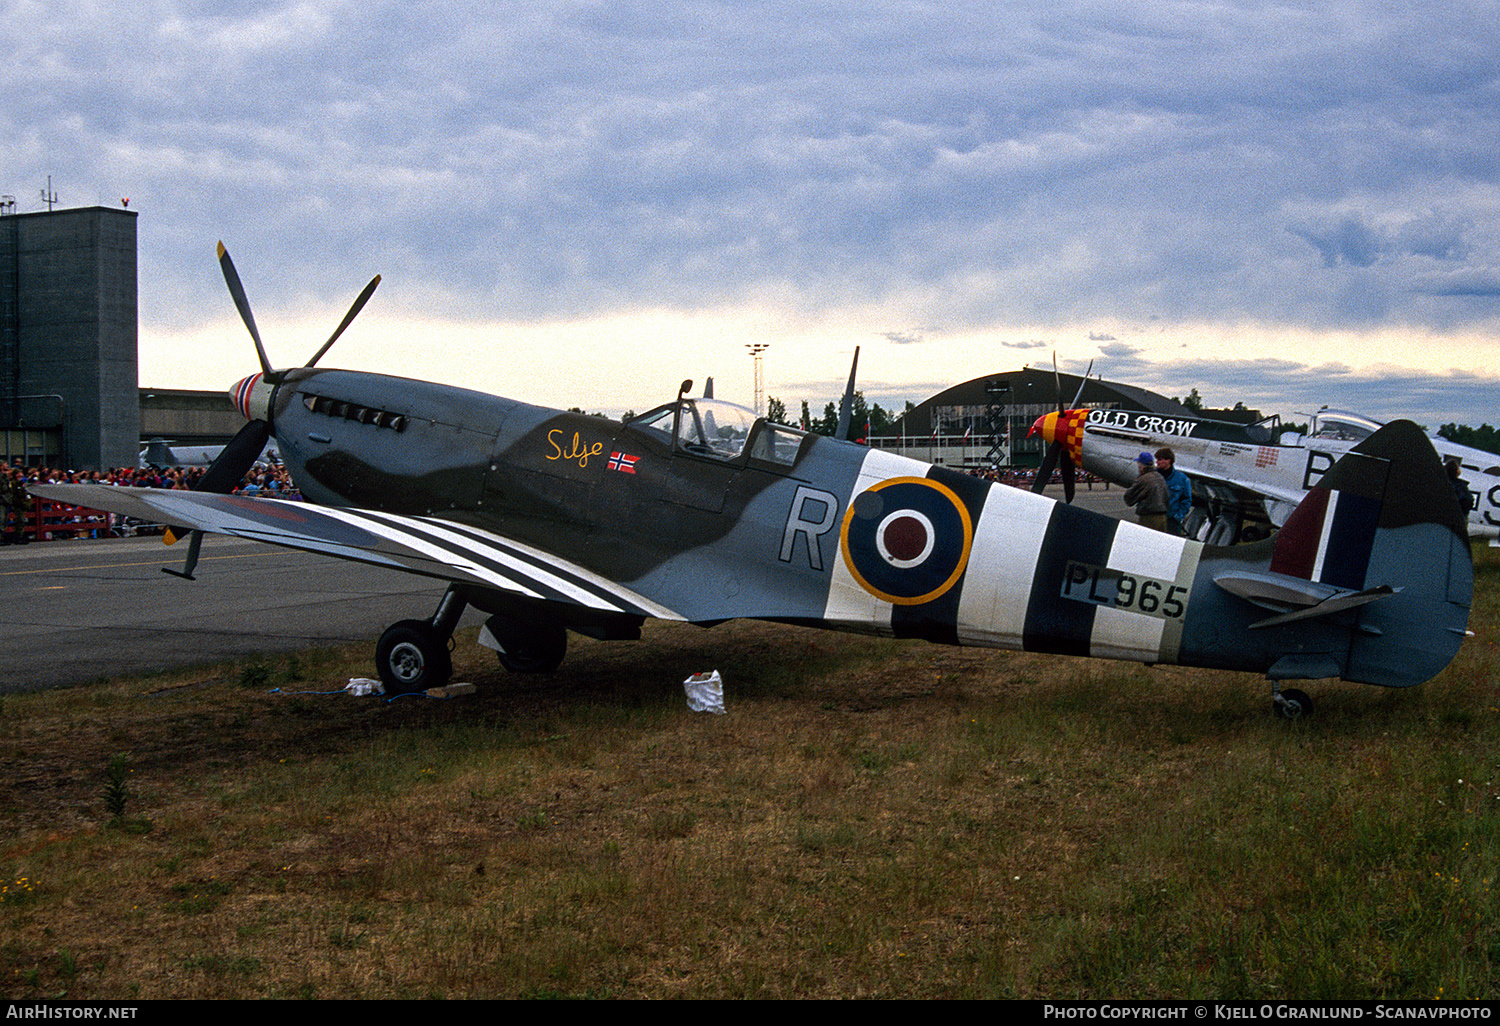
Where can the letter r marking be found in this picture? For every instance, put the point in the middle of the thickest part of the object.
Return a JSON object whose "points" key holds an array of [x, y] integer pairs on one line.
{"points": [[799, 522]]}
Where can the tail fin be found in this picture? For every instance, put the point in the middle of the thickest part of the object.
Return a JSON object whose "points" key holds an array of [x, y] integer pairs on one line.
{"points": [[158, 453], [1384, 523]]}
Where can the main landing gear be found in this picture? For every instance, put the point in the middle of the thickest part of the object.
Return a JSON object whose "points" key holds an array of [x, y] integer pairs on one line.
{"points": [[1292, 704], [526, 646], [414, 655]]}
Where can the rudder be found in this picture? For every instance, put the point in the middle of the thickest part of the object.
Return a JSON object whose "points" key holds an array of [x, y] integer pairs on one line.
{"points": [[1386, 515]]}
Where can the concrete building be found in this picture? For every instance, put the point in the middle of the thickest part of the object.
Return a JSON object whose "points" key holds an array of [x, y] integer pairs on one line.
{"points": [[68, 336], [188, 416]]}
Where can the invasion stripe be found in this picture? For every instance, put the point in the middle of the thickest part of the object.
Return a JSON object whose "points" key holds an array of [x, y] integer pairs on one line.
{"points": [[1008, 535], [1133, 632], [503, 559], [542, 583], [1188, 559], [1055, 624], [567, 583], [603, 587], [475, 565], [600, 588]]}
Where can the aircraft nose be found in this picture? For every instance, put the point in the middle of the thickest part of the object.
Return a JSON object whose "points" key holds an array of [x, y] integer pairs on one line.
{"points": [[1045, 426], [252, 397]]}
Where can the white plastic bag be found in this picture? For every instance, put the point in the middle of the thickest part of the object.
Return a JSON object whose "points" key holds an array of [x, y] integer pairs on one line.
{"points": [[705, 692], [360, 686]]}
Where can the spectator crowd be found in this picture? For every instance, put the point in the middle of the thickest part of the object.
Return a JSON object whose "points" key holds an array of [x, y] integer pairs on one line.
{"points": [[19, 505]]}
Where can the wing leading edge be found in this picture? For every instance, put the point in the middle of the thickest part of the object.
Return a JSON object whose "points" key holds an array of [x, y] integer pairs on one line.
{"points": [[430, 546]]}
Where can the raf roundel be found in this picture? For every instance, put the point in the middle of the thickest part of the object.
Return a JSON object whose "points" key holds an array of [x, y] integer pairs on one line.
{"points": [[906, 540]]}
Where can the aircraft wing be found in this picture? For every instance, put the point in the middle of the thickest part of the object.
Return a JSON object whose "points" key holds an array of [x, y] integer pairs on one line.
{"points": [[430, 546], [1258, 489]]}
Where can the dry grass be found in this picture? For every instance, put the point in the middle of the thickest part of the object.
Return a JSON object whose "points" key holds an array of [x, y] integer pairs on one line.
{"points": [[872, 818]]}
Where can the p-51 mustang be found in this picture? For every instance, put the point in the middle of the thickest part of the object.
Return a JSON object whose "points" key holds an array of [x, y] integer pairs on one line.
{"points": [[699, 511], [1250, 476], [161, 453]]}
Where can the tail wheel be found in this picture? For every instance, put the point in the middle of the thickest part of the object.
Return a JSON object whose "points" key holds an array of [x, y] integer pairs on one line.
{"points": [[412, 656]]}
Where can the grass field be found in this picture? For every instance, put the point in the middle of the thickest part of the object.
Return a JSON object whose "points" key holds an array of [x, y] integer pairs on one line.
{"points": [[870, 819]]}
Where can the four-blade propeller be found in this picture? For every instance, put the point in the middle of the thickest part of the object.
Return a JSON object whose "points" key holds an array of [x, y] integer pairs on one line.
{"points": [[1058, 450], [234, 462]]}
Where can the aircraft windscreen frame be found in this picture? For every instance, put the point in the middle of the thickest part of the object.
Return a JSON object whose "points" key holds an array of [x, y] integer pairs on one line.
{"points": [[1342, 426], [719, 429]]}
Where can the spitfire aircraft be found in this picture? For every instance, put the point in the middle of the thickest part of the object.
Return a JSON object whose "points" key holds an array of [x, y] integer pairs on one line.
{"points": [[1247, 479], [699, 511]]}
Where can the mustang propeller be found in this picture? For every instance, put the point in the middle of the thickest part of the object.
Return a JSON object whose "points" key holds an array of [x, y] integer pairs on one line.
{"points": [[236, 459], [1052, 428]]}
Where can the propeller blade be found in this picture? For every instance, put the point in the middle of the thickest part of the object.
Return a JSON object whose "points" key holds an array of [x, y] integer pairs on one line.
{"points": [[237, 293], [359, 304], [1057, 383], [237, 458], [227, 469], [1049, 464], [1069, 475], [1081, 386]]}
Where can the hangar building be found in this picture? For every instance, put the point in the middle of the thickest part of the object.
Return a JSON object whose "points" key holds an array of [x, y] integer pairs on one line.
{"points": [[984, 422]]}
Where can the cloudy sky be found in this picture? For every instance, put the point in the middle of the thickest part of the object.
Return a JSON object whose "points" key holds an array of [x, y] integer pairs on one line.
{"points": [[581, 203]]}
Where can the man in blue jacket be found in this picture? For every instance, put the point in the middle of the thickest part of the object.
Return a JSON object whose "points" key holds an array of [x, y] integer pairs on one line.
{"points": [[1179, 490]]}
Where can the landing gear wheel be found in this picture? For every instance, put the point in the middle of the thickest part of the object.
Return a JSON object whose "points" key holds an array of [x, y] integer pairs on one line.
{"points": [[1292, 704], [530, 647], [412, 656]]}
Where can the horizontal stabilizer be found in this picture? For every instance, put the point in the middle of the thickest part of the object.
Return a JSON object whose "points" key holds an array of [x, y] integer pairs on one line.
{"points": [[1336, 604], [1294, 598], [1275, 591]]}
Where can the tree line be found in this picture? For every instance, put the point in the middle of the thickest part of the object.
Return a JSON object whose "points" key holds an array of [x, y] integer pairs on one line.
{"points": [[865, 418], [1483, 437]]}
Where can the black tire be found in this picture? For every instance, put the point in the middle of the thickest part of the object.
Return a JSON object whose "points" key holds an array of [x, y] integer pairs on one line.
{"points": [[535, 646], [1294, 705], [412, 656]]}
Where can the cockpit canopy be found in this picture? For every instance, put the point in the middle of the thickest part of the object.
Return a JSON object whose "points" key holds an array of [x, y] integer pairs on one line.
{"points": [[720, 430], [1342, 426]]}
